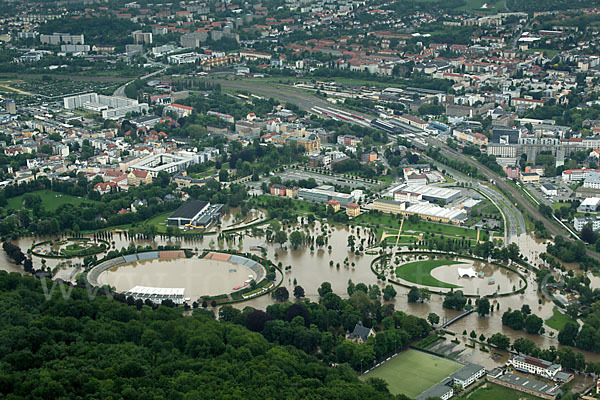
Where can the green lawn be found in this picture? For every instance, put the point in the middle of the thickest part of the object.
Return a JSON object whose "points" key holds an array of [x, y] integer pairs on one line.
{"points": [[160, 221], [412, 372], [495, 392], [558, 320], [419, 272], [50, 200], [393, 221]]}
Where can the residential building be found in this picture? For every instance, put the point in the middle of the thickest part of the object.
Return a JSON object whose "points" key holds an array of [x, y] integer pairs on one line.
{"points": [[292, 193], [278, 190], [589, 205], [334, 204], [580, 222], [138, 177], [181, 110], [360, 334], [142, 37], [368, 157], [58, 38], [352, 210]]}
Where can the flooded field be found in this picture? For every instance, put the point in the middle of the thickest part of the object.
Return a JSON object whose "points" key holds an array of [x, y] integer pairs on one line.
{"points": [[311, 268], [198, 276]]}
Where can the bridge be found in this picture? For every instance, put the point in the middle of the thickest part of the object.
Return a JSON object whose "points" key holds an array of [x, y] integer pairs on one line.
{"points": [[453, 320]]}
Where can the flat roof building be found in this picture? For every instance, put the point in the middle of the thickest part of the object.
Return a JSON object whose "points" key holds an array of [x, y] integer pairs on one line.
{"points": [[389, 206], [589, 205], [323, 193], [434, 194], [188, 212]]}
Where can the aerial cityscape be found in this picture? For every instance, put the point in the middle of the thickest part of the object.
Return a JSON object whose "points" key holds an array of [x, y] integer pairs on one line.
{"points": [[300, 199]]}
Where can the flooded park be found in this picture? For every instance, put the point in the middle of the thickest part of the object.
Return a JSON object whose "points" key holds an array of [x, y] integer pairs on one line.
{"points": [[333, 262]]}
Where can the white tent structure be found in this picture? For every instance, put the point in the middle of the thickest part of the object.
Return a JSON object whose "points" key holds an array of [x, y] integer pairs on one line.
{"points": [[466, 273]]}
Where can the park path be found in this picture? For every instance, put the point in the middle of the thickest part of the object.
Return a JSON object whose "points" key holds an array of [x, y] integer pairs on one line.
{"points": [[399, 232]]}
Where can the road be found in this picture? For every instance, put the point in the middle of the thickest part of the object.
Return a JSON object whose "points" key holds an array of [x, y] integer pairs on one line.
{"points": [[120, 92], [514, 223]]}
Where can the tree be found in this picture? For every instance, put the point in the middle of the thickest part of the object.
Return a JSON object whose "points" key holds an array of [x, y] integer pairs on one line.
{"points": [[281, 294], [513, 319], [533, 324], [455, 300], [433, 318], [525, 309], [568, 334], [588, 234], [280, 237], [473, 334], [389, 293], [524, 346], [296, 239], [483, 307], [324, 289], [298, 292], [374, 292], [413, 295], [499, 340]]}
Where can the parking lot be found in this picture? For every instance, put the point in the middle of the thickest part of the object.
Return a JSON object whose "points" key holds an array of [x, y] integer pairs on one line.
{"points": [[564, 192]]}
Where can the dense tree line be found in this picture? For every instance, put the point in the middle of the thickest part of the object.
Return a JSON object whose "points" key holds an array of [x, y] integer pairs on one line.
{"points": [[571, 251], [101, 348], [101, 213], [458, 165], [320, 328]]}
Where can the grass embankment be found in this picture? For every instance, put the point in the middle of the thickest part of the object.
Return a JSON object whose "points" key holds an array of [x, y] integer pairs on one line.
{"points": [[419, 272]]}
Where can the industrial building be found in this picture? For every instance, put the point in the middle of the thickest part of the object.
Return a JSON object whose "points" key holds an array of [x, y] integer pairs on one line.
{"points": [[436, 213], [324, 193], [433, 194]]}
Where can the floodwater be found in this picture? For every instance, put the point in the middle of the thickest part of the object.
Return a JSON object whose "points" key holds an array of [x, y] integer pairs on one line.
{"points": [[311, 268], [198, 276], [490, 279]]}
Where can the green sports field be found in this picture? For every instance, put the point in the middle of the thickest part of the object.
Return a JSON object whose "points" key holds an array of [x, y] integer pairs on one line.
{"points": [[419, 272], [412, 372]]}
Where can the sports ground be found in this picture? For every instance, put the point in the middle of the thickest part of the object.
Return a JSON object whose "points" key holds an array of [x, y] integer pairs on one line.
{"points": [[412, 372]]}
